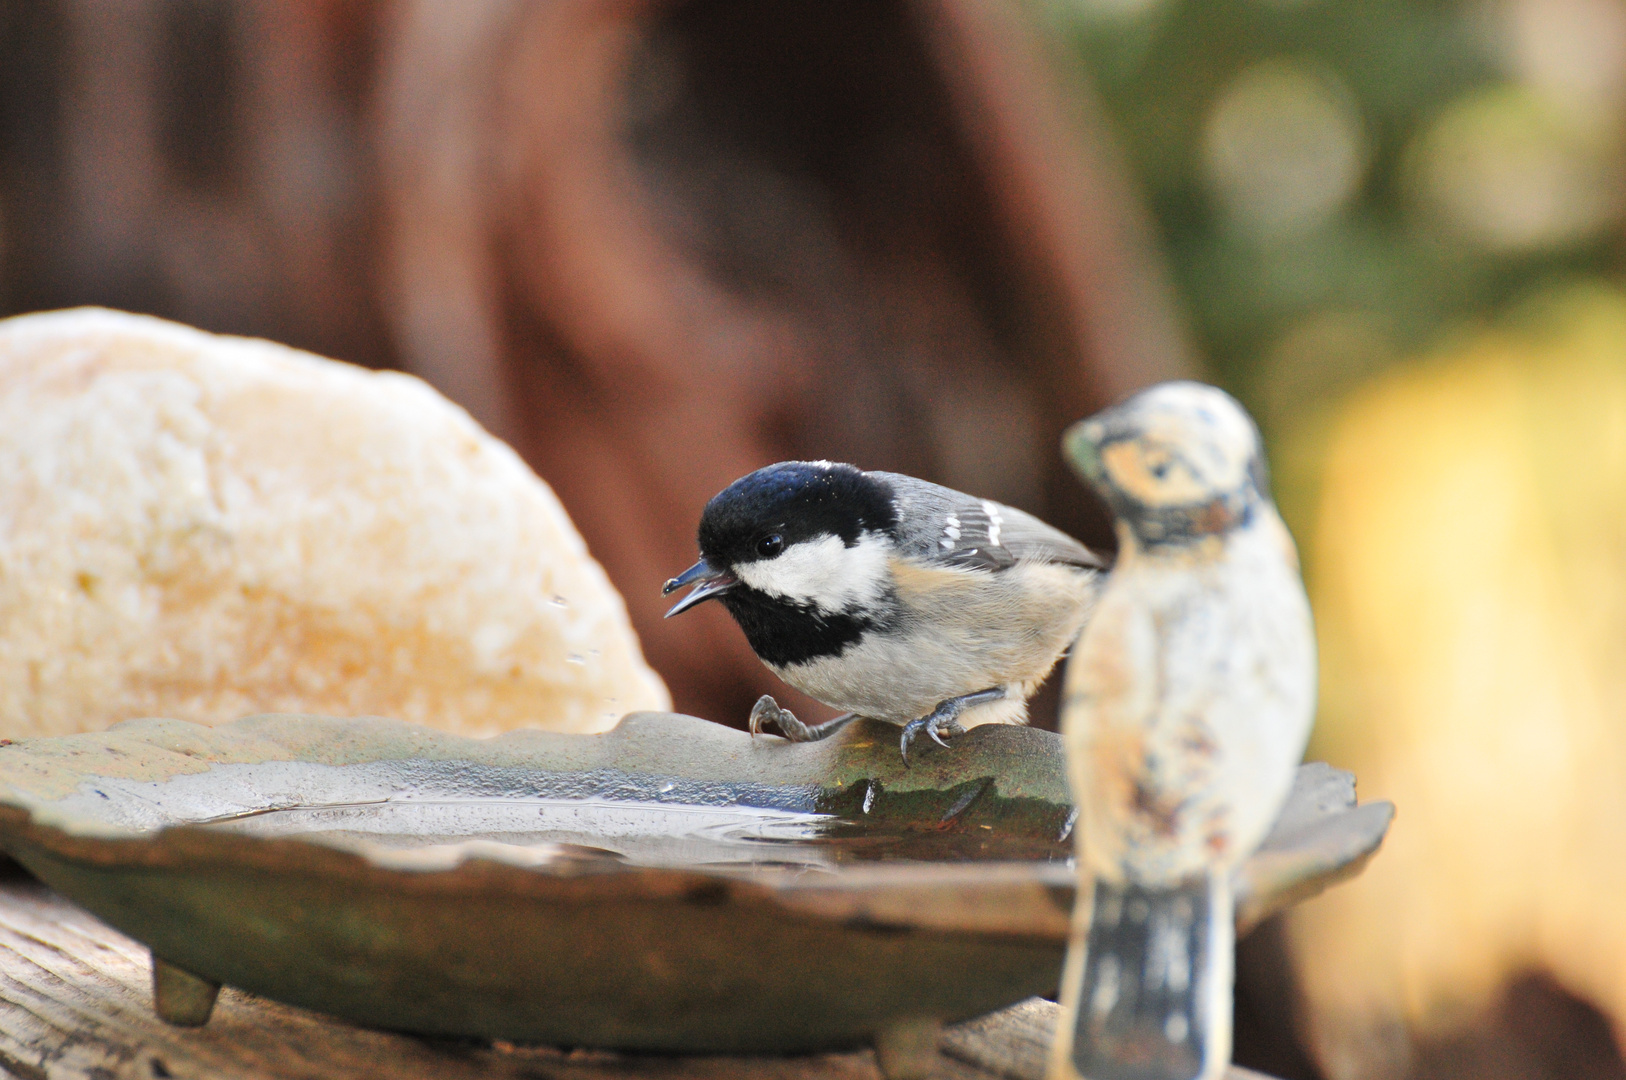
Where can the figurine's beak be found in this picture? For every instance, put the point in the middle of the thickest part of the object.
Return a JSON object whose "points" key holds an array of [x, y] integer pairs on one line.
{"points": [[1082, 446], [707, 581]]}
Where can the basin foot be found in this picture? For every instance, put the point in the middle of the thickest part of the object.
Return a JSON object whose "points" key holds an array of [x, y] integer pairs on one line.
{"points": [[180, 997], [907, 1049]]}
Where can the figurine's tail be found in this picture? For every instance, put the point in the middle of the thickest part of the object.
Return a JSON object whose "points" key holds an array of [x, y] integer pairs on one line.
{"points": [[1153, 998]]}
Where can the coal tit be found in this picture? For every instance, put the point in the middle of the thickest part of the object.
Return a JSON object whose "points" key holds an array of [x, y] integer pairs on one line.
{"points": [[890, 597]]}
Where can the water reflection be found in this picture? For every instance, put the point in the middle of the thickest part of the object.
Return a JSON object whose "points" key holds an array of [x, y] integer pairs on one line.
{"points": [[435, 834]]}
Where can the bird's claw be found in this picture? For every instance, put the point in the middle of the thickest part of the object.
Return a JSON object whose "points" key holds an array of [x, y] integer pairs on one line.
{"points": [[769, 711], [935, 725]]}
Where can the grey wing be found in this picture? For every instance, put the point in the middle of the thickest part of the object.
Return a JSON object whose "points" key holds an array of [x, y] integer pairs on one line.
{"points": [[955, 529]]}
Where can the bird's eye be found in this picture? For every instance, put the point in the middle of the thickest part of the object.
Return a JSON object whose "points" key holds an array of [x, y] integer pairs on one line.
{"points": [[770, 545], [1160, 470]]}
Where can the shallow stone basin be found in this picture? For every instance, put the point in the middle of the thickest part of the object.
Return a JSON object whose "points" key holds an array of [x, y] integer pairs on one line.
{"points": [[669, 885]]}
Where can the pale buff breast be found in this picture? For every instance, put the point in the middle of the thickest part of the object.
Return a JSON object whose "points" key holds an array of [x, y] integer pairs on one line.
{"points": [[961, 631]]}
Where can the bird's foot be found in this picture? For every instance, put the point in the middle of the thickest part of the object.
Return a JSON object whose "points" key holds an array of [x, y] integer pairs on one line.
{"points": [[944, 720], [768, 711], [932, 725]]}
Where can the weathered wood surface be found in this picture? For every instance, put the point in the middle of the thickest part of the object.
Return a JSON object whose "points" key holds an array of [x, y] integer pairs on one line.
{"points": [[1014, 1043], [76, 1004]]}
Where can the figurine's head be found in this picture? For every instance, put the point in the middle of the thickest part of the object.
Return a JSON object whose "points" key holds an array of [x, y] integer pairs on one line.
{"points": [[1177, 462]]}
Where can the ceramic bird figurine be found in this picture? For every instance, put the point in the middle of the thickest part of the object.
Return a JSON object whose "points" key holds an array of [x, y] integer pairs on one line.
{"points": [[1188, 702]]}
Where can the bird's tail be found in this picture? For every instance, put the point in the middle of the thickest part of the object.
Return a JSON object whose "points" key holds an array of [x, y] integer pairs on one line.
{"points": [[1148, 996]]}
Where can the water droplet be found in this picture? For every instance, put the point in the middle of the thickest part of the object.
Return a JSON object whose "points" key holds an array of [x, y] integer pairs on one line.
{"points": [[1067, 829]]}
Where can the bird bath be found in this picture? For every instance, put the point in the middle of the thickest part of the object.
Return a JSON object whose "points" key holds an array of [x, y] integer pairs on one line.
{"points": [[670, 885]]}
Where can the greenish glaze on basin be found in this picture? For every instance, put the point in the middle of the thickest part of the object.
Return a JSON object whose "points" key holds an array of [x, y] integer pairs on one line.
{"points": [[669, 885]]}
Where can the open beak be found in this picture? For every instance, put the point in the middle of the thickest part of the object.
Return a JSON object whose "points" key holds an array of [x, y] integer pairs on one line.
{"points": [[707, 583]]}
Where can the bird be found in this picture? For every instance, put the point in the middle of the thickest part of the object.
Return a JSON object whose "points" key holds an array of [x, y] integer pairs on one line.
{"points": [[1187, 703], [889, 597]]}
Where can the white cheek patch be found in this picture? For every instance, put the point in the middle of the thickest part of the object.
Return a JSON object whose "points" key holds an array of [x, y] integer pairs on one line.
{"points": [[824, 573]]}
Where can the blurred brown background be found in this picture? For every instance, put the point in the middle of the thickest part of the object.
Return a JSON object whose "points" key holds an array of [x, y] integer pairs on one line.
{"points": [[656, 245]]}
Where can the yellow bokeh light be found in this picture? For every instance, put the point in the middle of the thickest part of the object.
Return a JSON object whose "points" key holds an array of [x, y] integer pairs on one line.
{"points": [[1469, 578]]}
